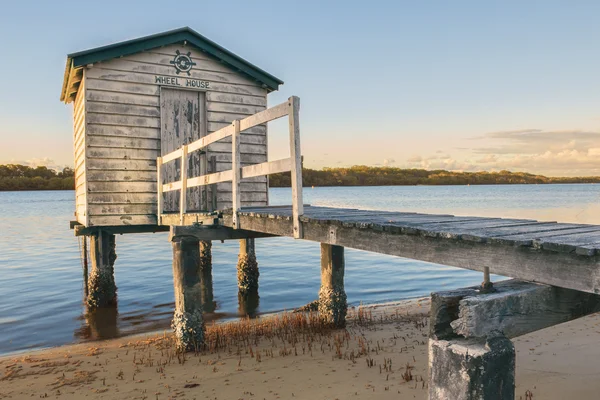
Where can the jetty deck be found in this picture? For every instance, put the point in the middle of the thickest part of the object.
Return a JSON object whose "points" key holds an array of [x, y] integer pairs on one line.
{"points": [[558, 254]]}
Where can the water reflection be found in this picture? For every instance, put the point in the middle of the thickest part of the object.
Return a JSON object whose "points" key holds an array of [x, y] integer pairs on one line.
{"points": [[101, 323], [50, 267], [206, 282], [248, 304]]}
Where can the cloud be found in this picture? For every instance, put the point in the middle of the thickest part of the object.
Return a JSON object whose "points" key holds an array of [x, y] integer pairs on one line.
{"points": [[537, 141], [415, 159], [389, 161], [490, 158], [39, 162]]}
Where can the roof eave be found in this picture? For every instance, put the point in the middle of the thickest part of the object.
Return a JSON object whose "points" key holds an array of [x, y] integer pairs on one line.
{"points": [[65, 85], [186, 34]]}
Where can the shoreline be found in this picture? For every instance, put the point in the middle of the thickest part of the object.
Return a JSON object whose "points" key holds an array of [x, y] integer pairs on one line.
{"points": [[381, 354], [367, 186]]}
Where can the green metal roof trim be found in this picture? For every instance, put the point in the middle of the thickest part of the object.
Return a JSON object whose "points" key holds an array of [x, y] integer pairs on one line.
{"points": [[82, 58]]}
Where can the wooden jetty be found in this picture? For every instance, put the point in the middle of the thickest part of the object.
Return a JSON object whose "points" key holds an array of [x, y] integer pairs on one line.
{"points": [[170, 134]]}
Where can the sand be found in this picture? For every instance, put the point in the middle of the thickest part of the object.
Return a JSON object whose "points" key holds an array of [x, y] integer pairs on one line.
{"points": [[381, 354]]}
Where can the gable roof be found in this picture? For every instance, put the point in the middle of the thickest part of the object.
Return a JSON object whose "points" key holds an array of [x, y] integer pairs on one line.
{"points": [[76, 61]]}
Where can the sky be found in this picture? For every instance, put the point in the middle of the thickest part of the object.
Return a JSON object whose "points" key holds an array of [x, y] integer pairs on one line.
{"points": [[459, 85]]}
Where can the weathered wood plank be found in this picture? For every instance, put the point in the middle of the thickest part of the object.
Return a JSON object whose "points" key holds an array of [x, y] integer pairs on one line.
{"points": [[122, 209], [164, 55], [211, 138], [121, 165], [267, 168], [124, 154], [122, 98], [235, 173], [115, 220], [201, 71], [245, 148], [235, 109], [257, 130], [238, 99], [209, 179], [123, 109], [122, 176], [247, 197], [122, 87], [123, 131], [265, 116], [120, 198], [567, 270], [293, 105], [122, 187], [123, 142], [213, 232], [123, 120], [137, 80]]}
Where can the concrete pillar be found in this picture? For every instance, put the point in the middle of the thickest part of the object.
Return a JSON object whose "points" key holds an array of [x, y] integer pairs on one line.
{"points": [[102, 291], [247, 268], [188, 322], [472, 369], [332, 296], [206, 280]]}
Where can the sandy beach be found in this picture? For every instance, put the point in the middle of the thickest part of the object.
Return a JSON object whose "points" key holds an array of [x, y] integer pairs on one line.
{"points": [[381, 354]]}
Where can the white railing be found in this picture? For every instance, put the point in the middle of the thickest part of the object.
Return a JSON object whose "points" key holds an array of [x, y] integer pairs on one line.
{"points": [[291, 108]]}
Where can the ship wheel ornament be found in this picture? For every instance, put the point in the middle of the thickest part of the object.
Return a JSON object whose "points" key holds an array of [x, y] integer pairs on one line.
{"points": [[183, 62]]}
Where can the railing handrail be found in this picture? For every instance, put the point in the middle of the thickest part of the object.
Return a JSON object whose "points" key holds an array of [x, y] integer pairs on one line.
{"points": [[290, 108]]}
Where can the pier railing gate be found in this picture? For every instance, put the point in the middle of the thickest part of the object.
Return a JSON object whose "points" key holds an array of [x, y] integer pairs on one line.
{"points": [[291, 109]]}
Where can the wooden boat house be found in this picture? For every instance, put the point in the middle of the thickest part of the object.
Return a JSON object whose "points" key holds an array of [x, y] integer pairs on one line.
{"points": [[139, 99], [170, 134]]}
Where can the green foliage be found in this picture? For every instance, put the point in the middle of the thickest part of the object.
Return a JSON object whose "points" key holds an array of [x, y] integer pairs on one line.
{"points": [[362, 175], [22, 177]]}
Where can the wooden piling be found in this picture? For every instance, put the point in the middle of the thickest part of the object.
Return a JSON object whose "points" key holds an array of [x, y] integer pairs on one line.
{"points": [[85, 267], [188, 322], [247, 268], [332, 296], [102, 291], [206, 281]]}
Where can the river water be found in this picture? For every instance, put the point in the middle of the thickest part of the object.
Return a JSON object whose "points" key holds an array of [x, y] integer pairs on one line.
{"points": [[41, 281]]}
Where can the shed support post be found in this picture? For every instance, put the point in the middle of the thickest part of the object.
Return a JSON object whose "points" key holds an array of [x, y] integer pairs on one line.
{"points": [[206, 280], [247, 268], [188, 322], [332, 296], [102, 291]]}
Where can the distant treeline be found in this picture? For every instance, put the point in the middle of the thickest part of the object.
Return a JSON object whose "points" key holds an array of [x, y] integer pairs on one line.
{"points": [[387, 176], [22, 177]]}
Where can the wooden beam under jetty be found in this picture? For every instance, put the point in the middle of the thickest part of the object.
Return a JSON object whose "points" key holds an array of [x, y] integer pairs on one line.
{"points": [[563, 255], [81, 230], [214, 232]]}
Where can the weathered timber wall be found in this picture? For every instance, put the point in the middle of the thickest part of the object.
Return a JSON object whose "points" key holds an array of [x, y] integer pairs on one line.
{"points": [[123, 131], [79, 146]]}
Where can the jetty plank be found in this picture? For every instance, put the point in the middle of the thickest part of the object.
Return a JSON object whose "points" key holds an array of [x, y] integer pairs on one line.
{"points": [[450, 241]]}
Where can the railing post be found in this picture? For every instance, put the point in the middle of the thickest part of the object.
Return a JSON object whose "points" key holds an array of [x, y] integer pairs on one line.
{"points": [[236, 175], [296, 156], [159, 186], [213, 190], [184, 177]]}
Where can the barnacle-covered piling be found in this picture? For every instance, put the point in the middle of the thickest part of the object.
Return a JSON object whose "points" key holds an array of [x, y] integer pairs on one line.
{"points": [[206, 280], [188, 322], [333, 304], [247, 268], [101, 287]]}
